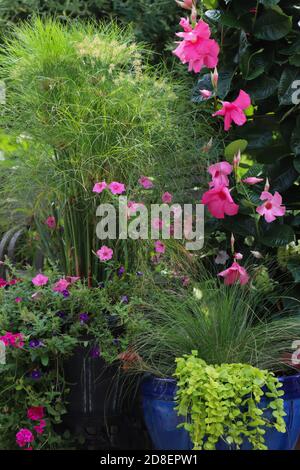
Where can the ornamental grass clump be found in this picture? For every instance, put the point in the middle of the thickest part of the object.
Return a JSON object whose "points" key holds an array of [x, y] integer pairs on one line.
{"points": [[93, 110], [227, 402]]}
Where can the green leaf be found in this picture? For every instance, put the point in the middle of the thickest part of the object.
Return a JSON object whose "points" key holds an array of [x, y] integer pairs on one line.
{"points": [[224, 83], [269, 3], [224, 19], [262, 88], [233, 148], [287, 88], [210, 4], [204, 83], [278, 235], [294, 267], [295, 139], [45, 360], [297, 164], [272, 26]]}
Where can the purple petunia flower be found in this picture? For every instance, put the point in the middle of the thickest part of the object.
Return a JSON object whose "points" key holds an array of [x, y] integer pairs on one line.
{"points": [[83, 317], [36, 374], [124, 299], [95, 352], [35, 343], [65, 293], [139, 273], [121, 271], [61, 314], [101, 285], [116, 341]]}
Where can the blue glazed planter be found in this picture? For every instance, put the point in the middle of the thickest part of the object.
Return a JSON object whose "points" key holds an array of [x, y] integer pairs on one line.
{"points": [[162, 420]]}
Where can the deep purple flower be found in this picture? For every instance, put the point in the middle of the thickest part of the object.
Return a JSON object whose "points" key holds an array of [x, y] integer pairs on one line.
{"points": [[83, 318], [36, 374], [139, 273], [101, 285], [65, 293], [121, 271], [35, 343], [116, 341], [61, 314], [124, 299], [95, 352]]}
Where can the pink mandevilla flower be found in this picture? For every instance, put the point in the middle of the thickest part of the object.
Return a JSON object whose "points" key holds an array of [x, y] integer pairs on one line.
{"points": [[235, 273], [23, 437], [272, 207], [105, 253], [219, 173], [117, 188], [99, 187], [235, 111], [219, 202], [40, 280], [196, 47], [51, 222], [167, 198], [146, 182], [252, 180], [160, 247], [35, 413]]}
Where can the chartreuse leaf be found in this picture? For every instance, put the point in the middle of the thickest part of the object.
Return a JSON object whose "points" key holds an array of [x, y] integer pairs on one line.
{"points": [[233, 148], [272, 25]]}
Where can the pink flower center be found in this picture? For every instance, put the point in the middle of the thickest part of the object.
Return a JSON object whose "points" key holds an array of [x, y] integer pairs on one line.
{"points": [[268, 205], [222, 196]]}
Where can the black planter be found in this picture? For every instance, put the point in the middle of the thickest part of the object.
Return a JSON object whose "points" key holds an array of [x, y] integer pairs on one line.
{"points": [[104, 407]]}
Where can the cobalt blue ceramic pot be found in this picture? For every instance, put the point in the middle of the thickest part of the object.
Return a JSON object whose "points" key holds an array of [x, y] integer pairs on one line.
{"points": [[162, 420]]}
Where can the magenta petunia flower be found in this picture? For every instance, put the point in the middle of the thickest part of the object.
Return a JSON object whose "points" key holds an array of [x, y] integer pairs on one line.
{"points": [[167, 198], [40, 428], [252, 180], [105, 253], [219, 173], [196, 47], [219, 202], [272, 207], [160, 247], [235, 273], [61, 285], [146, 182], [35, 413], [18, 300], [234, 111], [40, 280], [51, 222], [23, 437], [99, 187], [117, 188]]}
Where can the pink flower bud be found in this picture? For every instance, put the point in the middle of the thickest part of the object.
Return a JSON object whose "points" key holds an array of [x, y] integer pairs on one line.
{"points": [[267, 185], [215, 78], [237, 159], [205, 94], [186, 4]]}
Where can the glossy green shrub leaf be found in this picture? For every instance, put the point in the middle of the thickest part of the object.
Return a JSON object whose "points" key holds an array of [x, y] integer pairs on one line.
{"points": [[272, 25], [262, 87], [233, 148], [295, 139], [293, 266], [278, 235], [286, 85], [269, 3]]}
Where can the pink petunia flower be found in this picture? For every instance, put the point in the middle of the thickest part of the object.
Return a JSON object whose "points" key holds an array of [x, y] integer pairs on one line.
{"points": [[51, 222], [167, 198], [272, 207], [235, 111], [35, 413], [18, 300], [117, 188], [61, 285], [99, 187], [40, 280], [3, 282], [105, 253], [235, 273], [7, 339], [252, 180], [23, 437], [18, 341], [219, 173], [146, 182], [206, 94], [160, 247], [219, 202], [196, 47]]}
